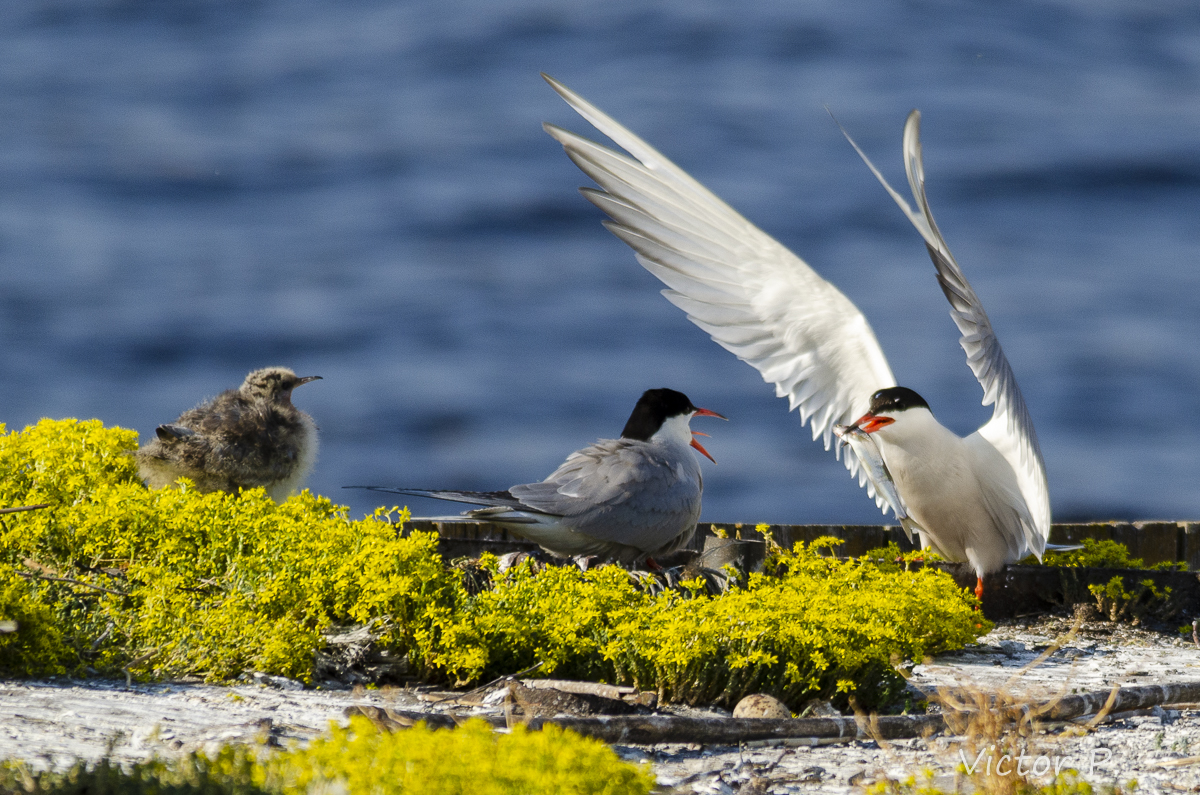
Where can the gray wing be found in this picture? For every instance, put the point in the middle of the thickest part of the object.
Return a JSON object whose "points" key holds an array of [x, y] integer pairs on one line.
{"points": [[622, 491], [753, 296], [1010, 430], [502, 505], [493, 498], [172, 433]]}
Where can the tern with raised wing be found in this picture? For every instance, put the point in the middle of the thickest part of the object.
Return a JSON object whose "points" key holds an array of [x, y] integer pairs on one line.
{"points": [[624, 499], [982, 499]]}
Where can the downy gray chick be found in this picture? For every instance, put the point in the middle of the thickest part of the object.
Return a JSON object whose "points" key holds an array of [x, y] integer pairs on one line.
{"points": [[243, 438]]}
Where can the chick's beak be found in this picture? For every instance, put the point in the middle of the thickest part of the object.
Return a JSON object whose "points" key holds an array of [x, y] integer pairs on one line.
{"points": [[306, 379]]}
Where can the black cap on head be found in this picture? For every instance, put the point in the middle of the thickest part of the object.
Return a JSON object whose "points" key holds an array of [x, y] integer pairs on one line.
{"points": [[896, 398], [653, 407]]}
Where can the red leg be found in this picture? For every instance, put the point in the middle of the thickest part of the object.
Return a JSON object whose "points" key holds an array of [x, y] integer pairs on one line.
{"points": [[979, 588]]}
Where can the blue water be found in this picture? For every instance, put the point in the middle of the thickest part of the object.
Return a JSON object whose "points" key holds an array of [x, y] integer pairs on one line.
{"points": [[362, 190]]}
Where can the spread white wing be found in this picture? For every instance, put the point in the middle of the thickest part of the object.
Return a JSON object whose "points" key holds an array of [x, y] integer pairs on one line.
{"points": [[754, 297], [1010, 430]]}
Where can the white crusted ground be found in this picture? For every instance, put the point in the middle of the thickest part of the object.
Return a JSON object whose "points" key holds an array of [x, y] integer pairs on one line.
{"points": [[1161, 750], [53, 723]]}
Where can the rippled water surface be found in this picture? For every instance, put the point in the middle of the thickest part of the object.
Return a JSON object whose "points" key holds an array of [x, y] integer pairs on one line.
{"points": [[362, 191]]}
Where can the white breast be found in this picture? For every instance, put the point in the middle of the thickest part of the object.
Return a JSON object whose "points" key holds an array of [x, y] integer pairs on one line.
{"points": [[305, 460], [960, 491]]}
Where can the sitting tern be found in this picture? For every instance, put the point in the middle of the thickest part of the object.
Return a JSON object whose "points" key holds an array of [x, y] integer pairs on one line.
{"points": [[982, 499], [625, 499], [245, 437]]}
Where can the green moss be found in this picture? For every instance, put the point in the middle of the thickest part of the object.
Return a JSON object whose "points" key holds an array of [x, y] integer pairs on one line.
{"points": [[815, 626], [470, 759], [36, 645], [1118, 603], [818, 627], [231, 773], [61, 461], [890, 554], [560, 617], [360, 760], [172, 582], [1103, 554]]}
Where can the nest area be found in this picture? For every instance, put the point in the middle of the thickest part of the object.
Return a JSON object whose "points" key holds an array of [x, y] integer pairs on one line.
{"points": [[54, 723], [113, 580]]}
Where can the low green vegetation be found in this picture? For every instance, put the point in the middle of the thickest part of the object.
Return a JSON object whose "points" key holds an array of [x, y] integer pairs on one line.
{"points": [[816, 626], [1066, 783], [469, 759], [1104, 554], [360, 760], [115, 579], [1118, 603]]}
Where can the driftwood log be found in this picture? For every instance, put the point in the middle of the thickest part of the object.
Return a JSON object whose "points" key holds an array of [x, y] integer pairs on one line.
{"points": [[590, 688], [654, 729], [1127, 698]]}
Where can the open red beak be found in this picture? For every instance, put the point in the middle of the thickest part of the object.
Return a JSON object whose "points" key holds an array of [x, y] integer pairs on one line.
{"points": [[700, 447], [697, 445], [869, 423]]}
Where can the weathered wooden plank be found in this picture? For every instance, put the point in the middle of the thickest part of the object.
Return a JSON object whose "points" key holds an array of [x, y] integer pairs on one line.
{"points": [[1189, 545], [1152, 541], [1028, 590], [653, 729], [1155, 542]]}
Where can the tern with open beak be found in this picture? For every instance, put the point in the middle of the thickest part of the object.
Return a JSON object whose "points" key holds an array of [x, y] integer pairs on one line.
{"points": [[982, 499], [625, 499]]}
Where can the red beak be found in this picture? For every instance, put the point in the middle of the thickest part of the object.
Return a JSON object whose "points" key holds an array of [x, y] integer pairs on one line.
{"points": [[869, 423], [700, 447], [697, 445]]}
